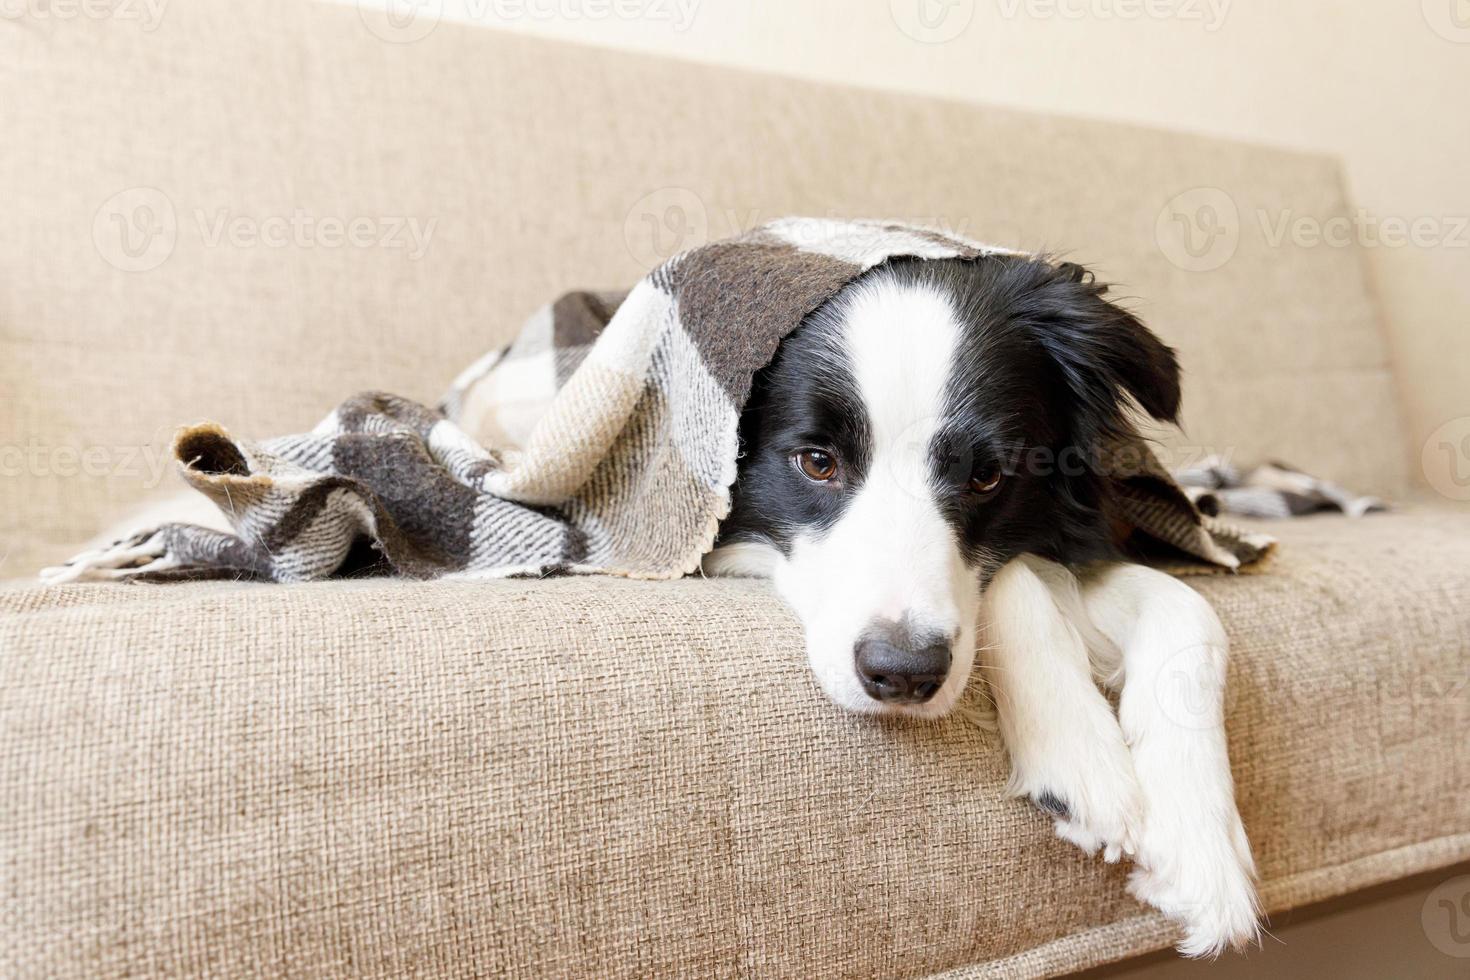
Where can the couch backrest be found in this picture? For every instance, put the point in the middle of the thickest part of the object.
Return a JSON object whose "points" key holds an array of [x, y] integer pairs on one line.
{"points": [[245, 211]]}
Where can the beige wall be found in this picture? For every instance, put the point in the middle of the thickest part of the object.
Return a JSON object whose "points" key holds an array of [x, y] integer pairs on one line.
{"points": [[1381, 84]]}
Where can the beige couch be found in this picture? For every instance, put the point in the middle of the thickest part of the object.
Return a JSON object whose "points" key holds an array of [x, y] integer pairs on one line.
{"points": [[593, 777]]}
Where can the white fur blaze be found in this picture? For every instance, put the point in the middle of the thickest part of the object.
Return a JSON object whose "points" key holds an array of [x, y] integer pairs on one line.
{"points": [[892, 554]]}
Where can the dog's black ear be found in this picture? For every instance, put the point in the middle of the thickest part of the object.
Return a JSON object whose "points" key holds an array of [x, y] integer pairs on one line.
{"points": [[1103, 350]]}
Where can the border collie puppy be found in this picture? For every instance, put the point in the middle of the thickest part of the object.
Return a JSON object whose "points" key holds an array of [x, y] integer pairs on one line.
{"points": [[902, 485]]}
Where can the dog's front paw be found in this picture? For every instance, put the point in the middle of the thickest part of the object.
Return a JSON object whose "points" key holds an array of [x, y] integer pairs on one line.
{"points": [[1201, 875], [1092, 797]]}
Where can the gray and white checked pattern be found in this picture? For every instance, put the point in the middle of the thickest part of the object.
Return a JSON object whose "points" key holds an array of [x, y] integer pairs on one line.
{"points": [[1271, 490]]}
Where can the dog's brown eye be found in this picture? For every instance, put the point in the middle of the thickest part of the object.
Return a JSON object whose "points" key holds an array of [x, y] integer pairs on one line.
{"points": [[816, 465], [985, 481]]}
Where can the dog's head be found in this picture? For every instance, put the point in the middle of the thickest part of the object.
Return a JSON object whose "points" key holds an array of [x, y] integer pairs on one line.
{"points": [[929, 423]]}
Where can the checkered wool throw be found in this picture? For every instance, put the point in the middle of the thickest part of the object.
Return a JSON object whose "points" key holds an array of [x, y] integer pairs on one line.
{"points": [[603, 440], [1271, 490]]}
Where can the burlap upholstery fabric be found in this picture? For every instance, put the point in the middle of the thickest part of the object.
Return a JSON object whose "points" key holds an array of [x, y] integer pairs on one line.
{"points": [[544, 168], [617, 778]]}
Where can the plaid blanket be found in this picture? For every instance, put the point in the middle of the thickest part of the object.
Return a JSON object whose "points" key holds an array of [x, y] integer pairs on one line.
{"points": [[603, 440], [1271, 490]]}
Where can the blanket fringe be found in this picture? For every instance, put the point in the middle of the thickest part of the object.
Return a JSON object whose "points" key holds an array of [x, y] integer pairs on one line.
{"points": [[143, 553]]}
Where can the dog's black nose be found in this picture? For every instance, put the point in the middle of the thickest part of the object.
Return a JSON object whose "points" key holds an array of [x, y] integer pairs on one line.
{"points": [[898, 670]]}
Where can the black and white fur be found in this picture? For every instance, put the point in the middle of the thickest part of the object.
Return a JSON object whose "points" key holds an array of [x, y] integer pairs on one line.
{"points": [[914, 480]]}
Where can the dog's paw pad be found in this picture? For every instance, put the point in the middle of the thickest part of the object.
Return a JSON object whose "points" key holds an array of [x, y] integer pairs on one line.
{"points": [[1106, 819], [1049, 803]]}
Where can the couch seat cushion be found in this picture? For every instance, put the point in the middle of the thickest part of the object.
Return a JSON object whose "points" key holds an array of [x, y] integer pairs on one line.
{"points": [[570, 776]]}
